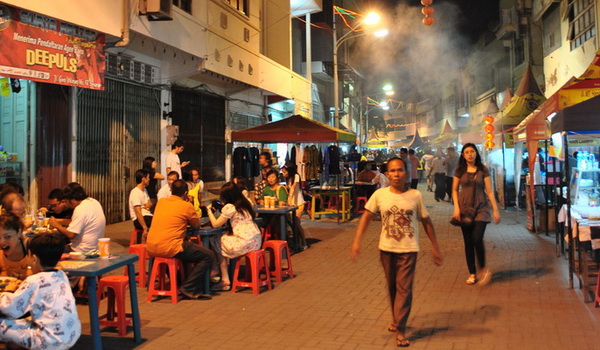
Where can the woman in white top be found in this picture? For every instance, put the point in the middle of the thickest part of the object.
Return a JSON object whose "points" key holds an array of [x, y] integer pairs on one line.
{"points": [[295, 197], [381, 180]]}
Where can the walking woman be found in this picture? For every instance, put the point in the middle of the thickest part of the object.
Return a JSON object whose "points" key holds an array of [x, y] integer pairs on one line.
{"points": [[295, 197], [472, 188], [245, 235]]}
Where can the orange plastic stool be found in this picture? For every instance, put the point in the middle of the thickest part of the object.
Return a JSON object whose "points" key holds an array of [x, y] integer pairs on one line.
{"points": [[360, 204], [255, 264], [140, 250], [159, 270], [276, 250], [136, 237], [265, 234], [116, 288]]}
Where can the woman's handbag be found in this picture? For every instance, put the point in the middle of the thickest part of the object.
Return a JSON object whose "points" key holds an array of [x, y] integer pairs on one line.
{"points": [[467, 214]]}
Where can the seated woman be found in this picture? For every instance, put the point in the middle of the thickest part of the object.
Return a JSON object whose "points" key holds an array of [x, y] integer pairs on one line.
{"points": [[245, 235], [14, 258], [381, 180], [274, 189]]}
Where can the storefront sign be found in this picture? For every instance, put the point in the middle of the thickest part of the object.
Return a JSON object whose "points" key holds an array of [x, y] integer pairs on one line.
{"points": [[45, 49], [509, 141]]}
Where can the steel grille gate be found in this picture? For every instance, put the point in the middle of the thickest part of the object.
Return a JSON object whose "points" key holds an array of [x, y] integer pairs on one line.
{"points": [[116, 129]]}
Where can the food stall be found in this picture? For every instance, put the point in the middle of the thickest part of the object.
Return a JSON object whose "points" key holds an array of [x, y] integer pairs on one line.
{"points": [[297, 129]]}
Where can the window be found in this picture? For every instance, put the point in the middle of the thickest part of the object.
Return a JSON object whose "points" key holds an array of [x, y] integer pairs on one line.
{"points": [[240, 5], [519, 52], [551, 30], [185, 5], [582, 22]]}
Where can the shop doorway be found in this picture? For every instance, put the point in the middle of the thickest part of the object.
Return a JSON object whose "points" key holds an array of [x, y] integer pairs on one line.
{"points": [[116, 129]]}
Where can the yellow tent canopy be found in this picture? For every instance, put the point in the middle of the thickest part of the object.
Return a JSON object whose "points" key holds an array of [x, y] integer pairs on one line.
{"points": [[527, 98]]}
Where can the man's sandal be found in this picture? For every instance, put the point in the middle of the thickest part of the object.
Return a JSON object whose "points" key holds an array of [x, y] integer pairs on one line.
{"points": [[402, 342]]}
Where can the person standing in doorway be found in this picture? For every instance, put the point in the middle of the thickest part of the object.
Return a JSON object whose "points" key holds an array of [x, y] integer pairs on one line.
{"points": [[401, 211], [173, 161], [472, 187]]}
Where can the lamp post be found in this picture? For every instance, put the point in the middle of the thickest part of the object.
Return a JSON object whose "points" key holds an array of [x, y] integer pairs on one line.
{"points": [[370, 19]]}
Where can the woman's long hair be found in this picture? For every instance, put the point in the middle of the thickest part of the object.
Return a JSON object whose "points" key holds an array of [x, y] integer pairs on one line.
{"points": [[147, 164], [292, 170], [231, 194], [462, 162]]}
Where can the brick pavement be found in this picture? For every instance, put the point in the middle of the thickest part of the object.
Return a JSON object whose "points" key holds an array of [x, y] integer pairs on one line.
{"points": [[335, 304]]}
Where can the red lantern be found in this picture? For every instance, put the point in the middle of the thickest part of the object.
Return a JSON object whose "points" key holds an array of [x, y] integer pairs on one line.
{"points": [[489, 128], [428, 21], [489, 119], [427, 10], [426, 2], [490, 144], [489, 137]]}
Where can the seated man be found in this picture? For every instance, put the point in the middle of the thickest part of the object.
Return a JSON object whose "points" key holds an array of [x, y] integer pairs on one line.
{"points": [[366, 175], [165, 191], [57, 208], [167, 238], [140, 203], [88, 221]]}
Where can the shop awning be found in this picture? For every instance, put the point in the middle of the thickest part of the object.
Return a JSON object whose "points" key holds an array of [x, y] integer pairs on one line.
{"points": [[417, 141], [293, 129], [582, 117], [526, 99]]}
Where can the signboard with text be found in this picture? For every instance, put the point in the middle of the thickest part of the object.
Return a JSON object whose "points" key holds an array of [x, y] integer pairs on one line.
{"points": [[45, 49]]}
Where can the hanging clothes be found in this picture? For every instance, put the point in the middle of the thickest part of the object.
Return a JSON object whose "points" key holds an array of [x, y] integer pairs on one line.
{"points": [[310, 158], [253, 153], [299, 160], [240, 162], [334, 160]]}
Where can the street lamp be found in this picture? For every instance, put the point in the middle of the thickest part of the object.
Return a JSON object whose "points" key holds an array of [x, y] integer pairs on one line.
{"points": [[371, 19]]}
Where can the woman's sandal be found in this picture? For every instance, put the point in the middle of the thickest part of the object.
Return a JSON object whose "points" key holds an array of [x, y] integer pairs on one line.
{"points": [[471, 280], [392, 328], [402, 342]]}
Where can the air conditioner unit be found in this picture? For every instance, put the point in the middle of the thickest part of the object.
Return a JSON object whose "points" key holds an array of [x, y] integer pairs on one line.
{"points": [[157, 10]]}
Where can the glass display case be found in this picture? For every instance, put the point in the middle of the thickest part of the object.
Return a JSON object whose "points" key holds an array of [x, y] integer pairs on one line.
{"points": [[11, 172], [585, 187]]}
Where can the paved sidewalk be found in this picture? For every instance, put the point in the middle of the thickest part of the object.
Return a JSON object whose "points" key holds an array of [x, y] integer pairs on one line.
{"points": [[335, 304]]}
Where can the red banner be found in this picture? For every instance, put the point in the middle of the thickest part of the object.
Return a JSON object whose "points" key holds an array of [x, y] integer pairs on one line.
{"points": [[45, 49]]}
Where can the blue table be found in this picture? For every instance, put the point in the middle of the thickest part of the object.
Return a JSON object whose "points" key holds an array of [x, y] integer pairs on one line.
{"points": [[280, 211], [205, 233], [97, 268]]}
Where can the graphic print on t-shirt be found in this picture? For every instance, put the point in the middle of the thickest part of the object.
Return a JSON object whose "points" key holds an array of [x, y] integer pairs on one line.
{"points": [[397, 223]]}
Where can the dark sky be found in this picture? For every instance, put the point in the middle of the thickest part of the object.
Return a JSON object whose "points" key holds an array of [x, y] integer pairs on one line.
{"points": [[477, 13]]}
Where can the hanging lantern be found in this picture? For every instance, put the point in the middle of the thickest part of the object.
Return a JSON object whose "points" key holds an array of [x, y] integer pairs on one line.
{"points": [[427, 11], [489, 137], [489, 128], [428, 21], [490, 144], [489, 119], [489, 131], [426, 2]]}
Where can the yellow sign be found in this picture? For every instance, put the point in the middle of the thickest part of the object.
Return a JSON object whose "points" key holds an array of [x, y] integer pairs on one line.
{"points": [[509, 141]]}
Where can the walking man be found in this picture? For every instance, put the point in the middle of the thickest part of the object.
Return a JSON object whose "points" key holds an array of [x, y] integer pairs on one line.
{"points": [[401, 210]]}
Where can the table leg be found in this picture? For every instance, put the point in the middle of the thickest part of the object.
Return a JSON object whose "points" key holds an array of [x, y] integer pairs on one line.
{"points": [[135, 311], [282, 227], [94, 318], [206, 244], [312, 207]]}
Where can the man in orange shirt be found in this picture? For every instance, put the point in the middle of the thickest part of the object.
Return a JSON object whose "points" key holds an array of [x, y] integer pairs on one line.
{"points": [[166, 238]]}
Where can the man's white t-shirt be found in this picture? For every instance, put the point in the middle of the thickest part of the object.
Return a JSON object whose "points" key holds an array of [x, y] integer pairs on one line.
{"points": [[138, 197], [164, 192], [173, 162], [88, 223], [400, 218]]}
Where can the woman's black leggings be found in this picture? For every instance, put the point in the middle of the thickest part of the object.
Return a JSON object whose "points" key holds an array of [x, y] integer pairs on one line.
{"points": [[473, 237]]}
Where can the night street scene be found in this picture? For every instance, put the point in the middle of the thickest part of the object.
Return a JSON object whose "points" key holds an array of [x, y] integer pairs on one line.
{"points": [[299, 174]]}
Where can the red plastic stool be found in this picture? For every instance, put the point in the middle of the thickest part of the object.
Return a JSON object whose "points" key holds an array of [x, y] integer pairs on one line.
{"points": [[255, 264], [159, 270], [265, 234], [140, 250], [116, 288], [360, 204], [136, 237], [276, 250]]}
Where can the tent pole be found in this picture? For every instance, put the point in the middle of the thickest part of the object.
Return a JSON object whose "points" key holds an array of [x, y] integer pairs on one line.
{"points": [[568, 224], [546, 194]]}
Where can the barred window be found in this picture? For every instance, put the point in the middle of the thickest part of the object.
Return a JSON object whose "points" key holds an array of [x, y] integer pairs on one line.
{"points": [[241, 5], [185, 5], [582, 22]]}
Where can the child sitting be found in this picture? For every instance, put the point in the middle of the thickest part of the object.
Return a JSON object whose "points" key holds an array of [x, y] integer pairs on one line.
{"points": [[54, 323]]}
